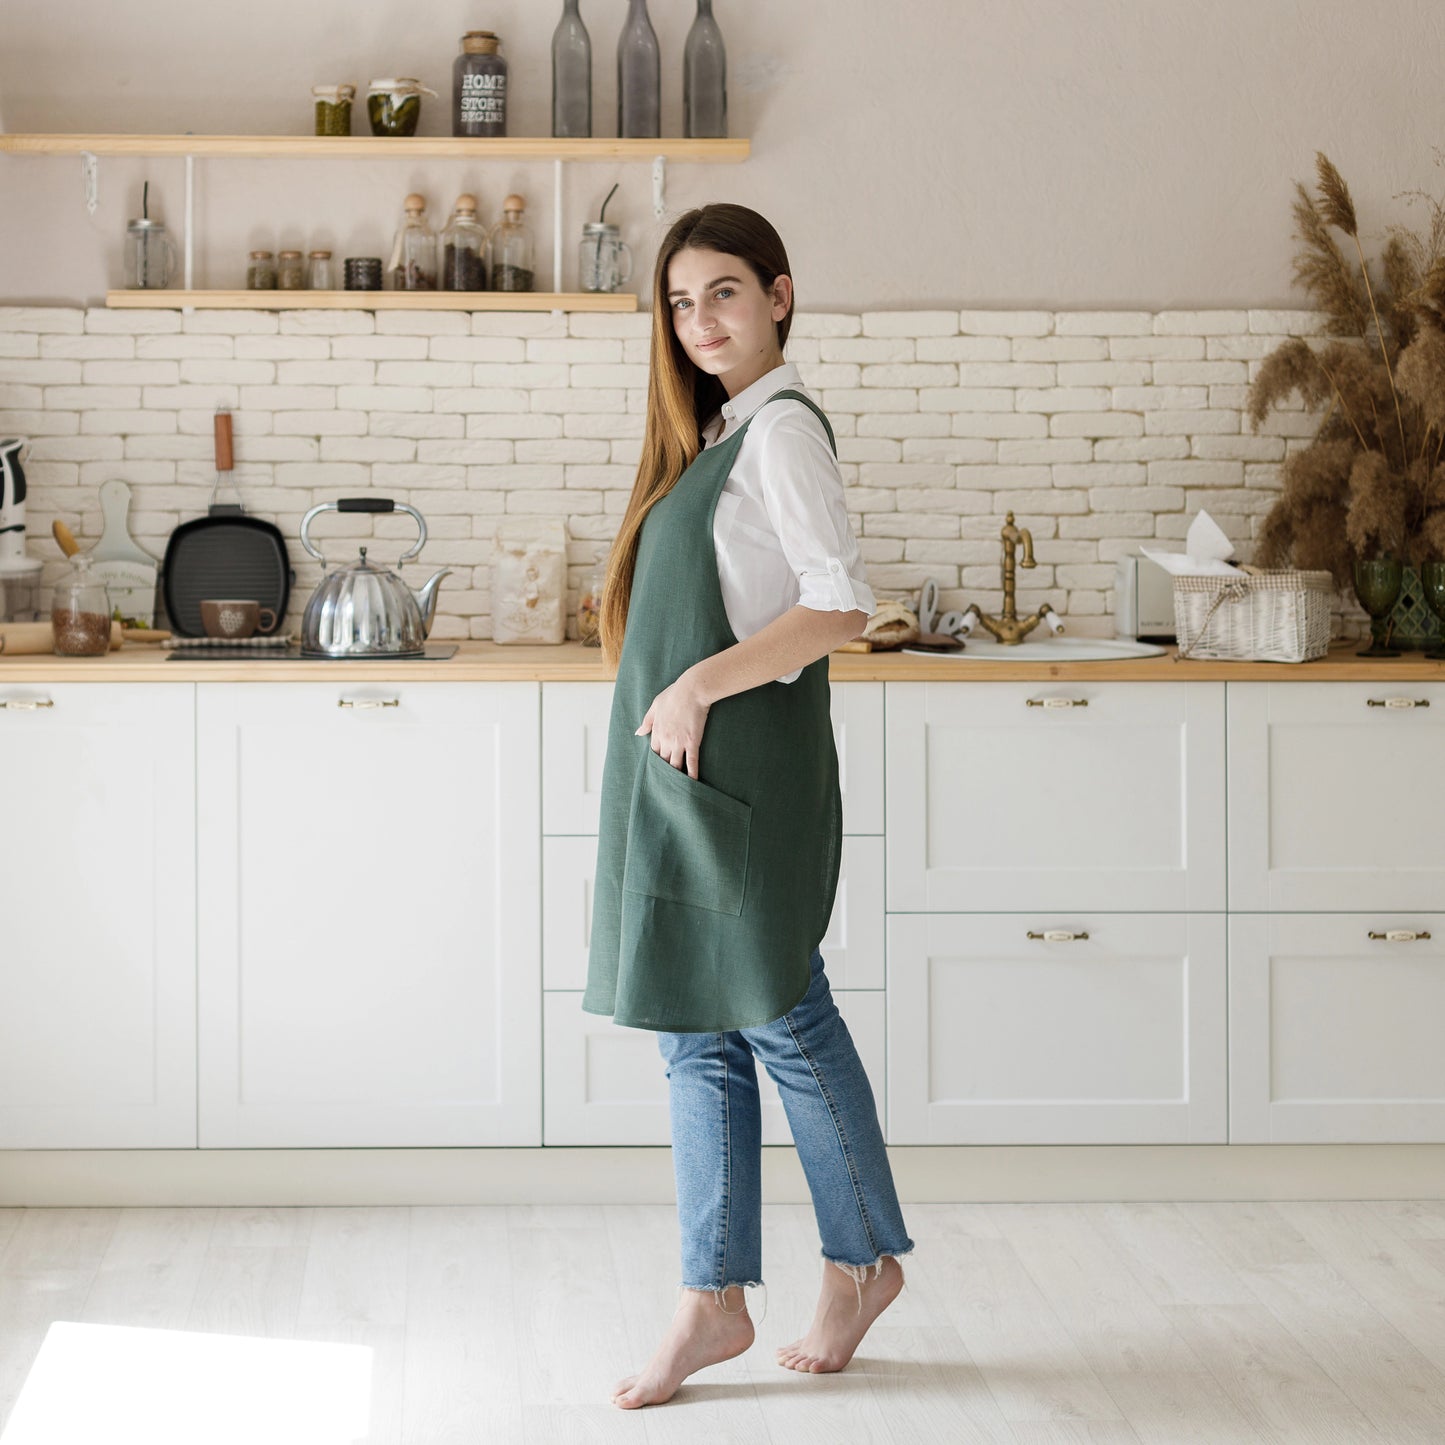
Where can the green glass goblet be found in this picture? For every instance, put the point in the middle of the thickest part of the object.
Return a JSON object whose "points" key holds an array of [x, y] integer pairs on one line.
{"points": [[1377, 585], [1432, 584]]}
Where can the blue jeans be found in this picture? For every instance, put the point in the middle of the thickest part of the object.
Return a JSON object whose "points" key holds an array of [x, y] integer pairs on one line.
{"points": [[717, 1143]]}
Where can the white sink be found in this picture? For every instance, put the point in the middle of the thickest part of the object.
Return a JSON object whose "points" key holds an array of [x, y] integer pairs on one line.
{"points": [[1050, 649]]}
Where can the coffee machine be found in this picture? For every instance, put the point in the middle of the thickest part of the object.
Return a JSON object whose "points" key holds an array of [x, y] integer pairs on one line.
{"points": [[19, 574]]}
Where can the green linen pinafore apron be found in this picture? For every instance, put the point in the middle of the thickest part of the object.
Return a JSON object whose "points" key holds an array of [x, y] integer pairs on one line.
{"points": [[711, 893]]}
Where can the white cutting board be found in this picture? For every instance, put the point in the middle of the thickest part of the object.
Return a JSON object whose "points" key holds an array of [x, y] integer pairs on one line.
{"points": [[120, 562]]}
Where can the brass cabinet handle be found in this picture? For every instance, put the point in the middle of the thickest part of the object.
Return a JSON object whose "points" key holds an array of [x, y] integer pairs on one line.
{"points": [[1398, 935], [1057, 935], [1056, 702], [26, 704], [368, 702], [1397, 702]]}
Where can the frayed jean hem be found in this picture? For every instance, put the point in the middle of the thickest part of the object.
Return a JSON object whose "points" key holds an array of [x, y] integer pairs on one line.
{"points": [[859, 1272], [718, 1290]]}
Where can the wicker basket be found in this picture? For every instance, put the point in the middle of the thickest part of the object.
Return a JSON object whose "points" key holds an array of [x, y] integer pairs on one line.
{"points": [[1263, 616]]}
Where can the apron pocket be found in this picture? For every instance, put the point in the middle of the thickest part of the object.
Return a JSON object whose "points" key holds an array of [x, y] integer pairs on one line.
{"points": [[686, 842]]}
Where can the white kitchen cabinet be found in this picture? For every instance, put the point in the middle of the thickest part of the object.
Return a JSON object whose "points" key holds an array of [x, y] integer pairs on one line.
{"points": [[1336, 792], [1334, 1028], [369, 876], [607, 1085], [574, 748], [997, 1035], [97, 916], [852, 948], [1104, 796]]}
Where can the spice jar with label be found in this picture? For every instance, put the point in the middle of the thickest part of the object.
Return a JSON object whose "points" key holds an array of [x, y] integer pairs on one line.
{"points": [[464, 249], [413, 265], [333, 108], [479, 86], [320, 273], [290, 273], [261, 271], [511, 248], [80, 612], [394, 106], [529, 580]]}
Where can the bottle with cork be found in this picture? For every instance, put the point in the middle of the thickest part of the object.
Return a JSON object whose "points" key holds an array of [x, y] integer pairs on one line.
{"points": [[413, 264], [464, 249], [511, 248], [479, 86]]}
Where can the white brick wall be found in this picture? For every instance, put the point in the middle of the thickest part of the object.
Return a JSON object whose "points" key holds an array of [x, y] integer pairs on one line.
{"points": [[1098, 429]]}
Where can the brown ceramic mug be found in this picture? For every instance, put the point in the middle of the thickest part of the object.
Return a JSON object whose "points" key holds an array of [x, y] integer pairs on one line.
{"points": [[235, 617]]}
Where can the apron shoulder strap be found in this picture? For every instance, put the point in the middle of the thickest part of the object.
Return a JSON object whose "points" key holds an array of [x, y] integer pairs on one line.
{"points": [[813, 407]]}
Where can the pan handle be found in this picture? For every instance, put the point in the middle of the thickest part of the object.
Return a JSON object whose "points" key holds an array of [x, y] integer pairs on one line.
{"points": [[364, 504]]}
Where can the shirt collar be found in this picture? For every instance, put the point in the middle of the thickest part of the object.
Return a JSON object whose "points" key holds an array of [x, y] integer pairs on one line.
{"points": [[736, 410]]}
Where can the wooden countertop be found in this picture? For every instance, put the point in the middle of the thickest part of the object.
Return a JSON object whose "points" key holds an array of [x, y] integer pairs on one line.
{"points": [[571, 662]]}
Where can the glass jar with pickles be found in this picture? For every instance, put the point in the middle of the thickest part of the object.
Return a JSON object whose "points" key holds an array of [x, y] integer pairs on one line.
{"points": [[333, 108], [394, 106]]}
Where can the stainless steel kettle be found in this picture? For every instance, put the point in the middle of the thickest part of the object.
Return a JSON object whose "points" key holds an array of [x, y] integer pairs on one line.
{"points": [[364, 610]]}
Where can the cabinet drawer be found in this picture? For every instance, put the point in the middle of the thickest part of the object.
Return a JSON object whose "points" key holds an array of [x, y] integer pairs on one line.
{"points": [[998, 1038], [1336, 791], [1012, 795], [852, 947], [606, 1084], [575, 718], [1334, 1036]]}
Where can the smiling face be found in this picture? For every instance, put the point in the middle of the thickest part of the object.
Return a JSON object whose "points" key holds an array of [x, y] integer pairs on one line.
{"points": [[725, 320]]}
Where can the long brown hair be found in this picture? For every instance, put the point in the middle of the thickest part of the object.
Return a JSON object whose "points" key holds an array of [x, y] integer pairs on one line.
{"points": [[680, 396]]}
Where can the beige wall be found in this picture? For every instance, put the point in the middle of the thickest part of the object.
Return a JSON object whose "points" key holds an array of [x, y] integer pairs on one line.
{"points": [[965, 153]]}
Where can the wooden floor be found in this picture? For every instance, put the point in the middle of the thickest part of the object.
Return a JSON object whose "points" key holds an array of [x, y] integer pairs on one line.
{"points": [[1036, 1323]]}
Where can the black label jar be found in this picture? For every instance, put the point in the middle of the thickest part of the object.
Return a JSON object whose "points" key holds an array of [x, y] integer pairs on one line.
{"points": [[479, 86]]}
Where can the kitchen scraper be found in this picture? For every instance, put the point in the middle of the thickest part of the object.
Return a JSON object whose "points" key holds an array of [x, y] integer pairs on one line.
{"points": [[121, 563]]}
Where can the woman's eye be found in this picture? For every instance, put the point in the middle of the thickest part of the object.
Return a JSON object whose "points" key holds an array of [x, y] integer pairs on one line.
{"points": [[723, 291], [677, 305]]}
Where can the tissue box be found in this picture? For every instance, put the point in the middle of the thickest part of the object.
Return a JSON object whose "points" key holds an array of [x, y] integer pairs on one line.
{"points": [[1263, 616]]}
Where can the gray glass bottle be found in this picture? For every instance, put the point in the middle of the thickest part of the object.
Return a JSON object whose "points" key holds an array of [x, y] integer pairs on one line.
{"points": [[571, 74], [639, 75], [704, 77]]}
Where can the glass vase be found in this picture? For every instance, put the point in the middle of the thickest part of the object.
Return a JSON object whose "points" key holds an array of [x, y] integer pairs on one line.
{"points": [[571, 74], [704, 77], [1377, 585], [639, 75]]}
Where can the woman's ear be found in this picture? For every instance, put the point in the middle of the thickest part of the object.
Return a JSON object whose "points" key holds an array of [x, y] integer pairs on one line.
{"points": [[782, 296]]}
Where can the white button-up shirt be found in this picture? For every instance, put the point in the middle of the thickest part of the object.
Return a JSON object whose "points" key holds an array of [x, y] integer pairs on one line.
{"points": [[781, 528]]}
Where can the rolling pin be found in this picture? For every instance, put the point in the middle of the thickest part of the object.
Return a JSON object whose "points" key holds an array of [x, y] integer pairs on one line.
{"points": [[26, 639]]}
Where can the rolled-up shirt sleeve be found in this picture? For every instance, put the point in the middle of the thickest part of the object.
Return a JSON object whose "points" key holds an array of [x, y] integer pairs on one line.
{"points": [[803, 492]]}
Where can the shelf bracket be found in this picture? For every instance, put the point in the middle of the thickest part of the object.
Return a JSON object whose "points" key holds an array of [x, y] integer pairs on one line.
{"points": [[90, 174], [659, 186]]}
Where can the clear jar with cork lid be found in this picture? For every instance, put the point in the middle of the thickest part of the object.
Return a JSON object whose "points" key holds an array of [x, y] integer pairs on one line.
{"points": [[512, 248], [413, 265], [464, 249], [479, 86]]}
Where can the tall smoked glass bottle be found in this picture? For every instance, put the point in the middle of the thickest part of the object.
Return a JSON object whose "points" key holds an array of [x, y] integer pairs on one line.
{"points": [[704, 77], [571, 74], [639, 75]]}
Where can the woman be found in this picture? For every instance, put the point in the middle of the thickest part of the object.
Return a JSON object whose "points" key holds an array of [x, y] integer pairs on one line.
{"points": [[734, 574]]}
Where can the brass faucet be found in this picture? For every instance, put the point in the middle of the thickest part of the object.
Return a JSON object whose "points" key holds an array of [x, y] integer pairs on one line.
{"points": [[1007, 628]]}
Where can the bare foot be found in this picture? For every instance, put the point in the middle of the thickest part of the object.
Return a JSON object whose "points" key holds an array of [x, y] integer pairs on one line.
{"points": [[839, 1325], [701, 1334]]}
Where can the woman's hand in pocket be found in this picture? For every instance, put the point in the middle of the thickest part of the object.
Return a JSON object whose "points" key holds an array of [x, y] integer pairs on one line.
{"points": [[675, 721]]}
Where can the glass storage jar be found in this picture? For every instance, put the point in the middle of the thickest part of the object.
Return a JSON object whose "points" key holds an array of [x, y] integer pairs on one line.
{"points": [[333, 108], [464, 249], [413, 265], [290, 273], [320, 272], [599, 255], [80, 612], [261, 271], [511, 248], [149, 256], [479, 86], [589, 607], [394, 106]]}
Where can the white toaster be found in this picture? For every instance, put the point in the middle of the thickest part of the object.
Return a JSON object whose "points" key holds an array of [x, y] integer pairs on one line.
{"points": [[1143, 600]]}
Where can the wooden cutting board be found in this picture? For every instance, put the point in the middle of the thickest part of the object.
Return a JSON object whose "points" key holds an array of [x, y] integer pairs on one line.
{"points": [[120, 562]]}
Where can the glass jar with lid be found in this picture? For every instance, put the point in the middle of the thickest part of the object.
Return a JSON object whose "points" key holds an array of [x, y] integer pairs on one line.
{"points": [[512, 248], [464, 249], [589, 606], [149, 255], [394, 105], [80, 612], [261, 271], [320, 272], [333, 108], [479, 86], [413, 265], [290, 272]]}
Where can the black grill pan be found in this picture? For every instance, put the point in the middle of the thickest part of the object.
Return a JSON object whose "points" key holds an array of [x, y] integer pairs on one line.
{"points": [[224, 554]]}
